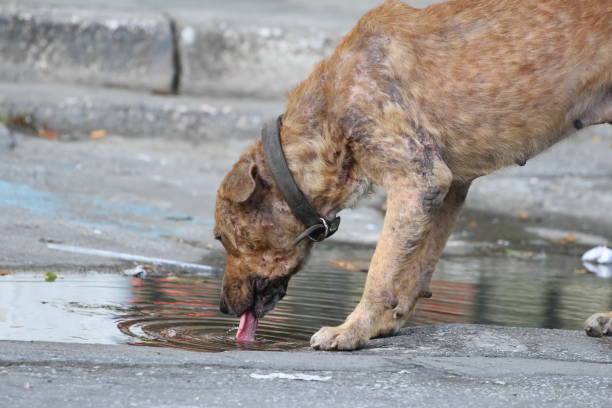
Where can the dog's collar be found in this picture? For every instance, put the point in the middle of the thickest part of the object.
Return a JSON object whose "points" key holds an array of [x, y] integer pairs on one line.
{"points": [[318, 227]]}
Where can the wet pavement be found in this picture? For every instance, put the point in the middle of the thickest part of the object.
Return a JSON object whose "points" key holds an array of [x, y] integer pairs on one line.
{"points": [[152, 200], [529, 279]]}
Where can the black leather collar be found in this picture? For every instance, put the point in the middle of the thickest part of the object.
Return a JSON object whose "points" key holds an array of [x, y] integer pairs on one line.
{"points": [[318, 227]]}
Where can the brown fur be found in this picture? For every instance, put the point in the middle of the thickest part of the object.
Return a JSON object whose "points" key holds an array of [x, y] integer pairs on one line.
{"points": [[421, 102]]}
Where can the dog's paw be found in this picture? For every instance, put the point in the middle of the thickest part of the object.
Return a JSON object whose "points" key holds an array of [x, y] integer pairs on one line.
{"points": [[600, 324], [337, 338]]}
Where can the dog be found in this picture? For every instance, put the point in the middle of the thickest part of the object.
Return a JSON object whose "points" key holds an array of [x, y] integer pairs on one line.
{"points": [[421, 102]]}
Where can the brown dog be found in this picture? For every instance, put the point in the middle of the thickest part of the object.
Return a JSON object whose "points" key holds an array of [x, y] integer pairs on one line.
{"points": [[421, 102]]}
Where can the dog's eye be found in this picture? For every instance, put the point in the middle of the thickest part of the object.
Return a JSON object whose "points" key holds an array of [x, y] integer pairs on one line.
{"points": [[218, 237]]}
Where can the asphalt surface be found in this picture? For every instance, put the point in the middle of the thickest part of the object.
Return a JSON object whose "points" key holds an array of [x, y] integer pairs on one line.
{"points": [[441, 366]]}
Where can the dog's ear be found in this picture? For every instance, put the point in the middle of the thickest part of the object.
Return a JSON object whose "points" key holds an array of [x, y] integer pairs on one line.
{"points": [[240, 183]]}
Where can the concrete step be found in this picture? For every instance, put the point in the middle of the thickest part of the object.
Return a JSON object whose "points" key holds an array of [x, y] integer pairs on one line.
{"points": [[75, 46], [244, 49], [75, 111]]}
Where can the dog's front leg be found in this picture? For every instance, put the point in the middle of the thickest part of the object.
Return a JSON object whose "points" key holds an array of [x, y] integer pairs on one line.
{"points": [[396, 275]]}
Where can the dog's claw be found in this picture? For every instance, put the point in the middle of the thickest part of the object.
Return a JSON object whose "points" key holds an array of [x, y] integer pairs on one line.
{"points": [[425, 294]]}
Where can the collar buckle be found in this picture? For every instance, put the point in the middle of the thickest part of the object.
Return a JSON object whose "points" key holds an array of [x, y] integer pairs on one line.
{"points": [[319, 232]]}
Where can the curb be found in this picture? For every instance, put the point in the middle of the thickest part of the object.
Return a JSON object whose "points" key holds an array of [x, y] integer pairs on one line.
{"points": [[238, 58], [206, 55], [86, 47], [77, 111]]}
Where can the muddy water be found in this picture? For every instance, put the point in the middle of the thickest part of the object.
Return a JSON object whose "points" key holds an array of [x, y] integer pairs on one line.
{"points": [[501, 290], [476, 282]]}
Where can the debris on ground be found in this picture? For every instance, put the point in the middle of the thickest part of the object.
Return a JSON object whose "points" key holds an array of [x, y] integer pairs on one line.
{"points": [[347, 265], [599, 254], [598, 260], [601, 270], [140, 271], [179, 218], [568, 239], [47, 133], [4, 273], [284, 376], [98, 134], [28, 125], [535, 256], [50, 277], [523, 216]]}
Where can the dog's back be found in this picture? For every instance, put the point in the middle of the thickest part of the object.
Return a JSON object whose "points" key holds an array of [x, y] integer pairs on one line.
{"points": [[493, 82]]}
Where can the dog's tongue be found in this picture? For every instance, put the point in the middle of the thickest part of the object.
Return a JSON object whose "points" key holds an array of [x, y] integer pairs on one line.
{"points": [[247, 328]]}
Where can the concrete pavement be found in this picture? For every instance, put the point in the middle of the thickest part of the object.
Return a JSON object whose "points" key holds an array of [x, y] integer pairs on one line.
{"points": [[440, 366], [146, 186]]}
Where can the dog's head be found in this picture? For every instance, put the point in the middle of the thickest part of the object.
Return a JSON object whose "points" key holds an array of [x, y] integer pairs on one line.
{"points": [[257, 229]]}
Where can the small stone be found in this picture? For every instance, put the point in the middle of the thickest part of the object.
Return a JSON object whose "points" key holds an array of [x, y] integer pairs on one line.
{"points": [[50, 277]]}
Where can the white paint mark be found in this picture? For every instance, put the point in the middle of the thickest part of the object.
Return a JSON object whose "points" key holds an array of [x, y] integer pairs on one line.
{"points": [[265, 32], [130, 257], [112, 24], [188, 35], [284, 376]]}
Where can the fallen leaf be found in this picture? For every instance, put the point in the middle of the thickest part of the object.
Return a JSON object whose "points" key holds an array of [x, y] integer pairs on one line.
{"points": [[581, 271], [568, 239], [523, 216], [346, 265], [4, 273], [48, 133], [520, 254], [50, 277], [98, 134], [472, 224], [597, 139]]}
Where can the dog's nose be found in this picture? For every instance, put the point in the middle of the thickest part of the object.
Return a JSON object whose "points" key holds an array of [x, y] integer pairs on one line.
{"points": [[223, 307]]}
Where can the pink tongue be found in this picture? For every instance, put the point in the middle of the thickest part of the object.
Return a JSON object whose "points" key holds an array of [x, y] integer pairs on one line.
{"points": [[247, 328]]}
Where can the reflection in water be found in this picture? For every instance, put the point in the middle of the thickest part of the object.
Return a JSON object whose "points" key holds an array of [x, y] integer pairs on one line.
{"points": [[183, 312], [489, 288]]}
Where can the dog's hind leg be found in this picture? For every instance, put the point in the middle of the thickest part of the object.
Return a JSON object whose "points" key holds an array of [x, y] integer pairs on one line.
{"points": [[443, 225], [417, 189]]}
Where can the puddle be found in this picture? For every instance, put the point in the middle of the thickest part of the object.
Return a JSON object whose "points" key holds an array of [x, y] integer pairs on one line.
{"points": [[527, 281]]}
